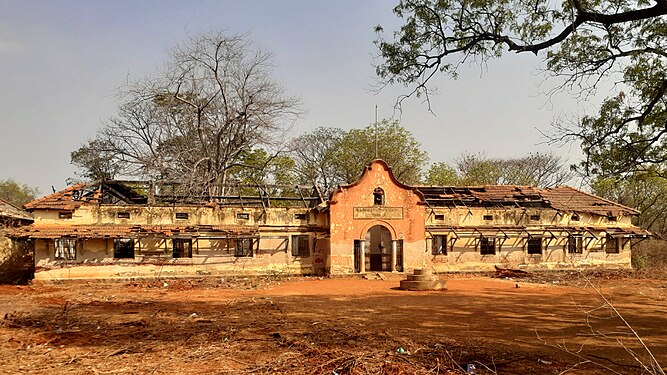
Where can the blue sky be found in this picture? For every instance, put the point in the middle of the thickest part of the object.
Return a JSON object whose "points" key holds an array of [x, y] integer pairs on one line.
{"points": [[62, 61]]}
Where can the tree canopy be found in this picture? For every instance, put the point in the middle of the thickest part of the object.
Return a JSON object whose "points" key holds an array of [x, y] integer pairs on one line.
{"points": [[581, 42], [17, 193], [329, 157], [194, 120]]}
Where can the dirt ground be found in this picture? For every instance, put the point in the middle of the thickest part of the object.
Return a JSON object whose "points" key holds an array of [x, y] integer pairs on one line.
{"points": [[544, 324]]}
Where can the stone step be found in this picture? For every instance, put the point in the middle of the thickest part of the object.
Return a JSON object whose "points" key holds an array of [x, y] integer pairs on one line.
{"points": [[423, 271], [422, 277], [423, 285]]}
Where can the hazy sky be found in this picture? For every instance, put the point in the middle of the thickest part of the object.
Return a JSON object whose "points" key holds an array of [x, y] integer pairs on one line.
{"points": [[62, 61]]}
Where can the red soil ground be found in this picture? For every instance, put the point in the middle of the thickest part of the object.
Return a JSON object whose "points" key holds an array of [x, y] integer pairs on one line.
{"points": [[332, 326]]}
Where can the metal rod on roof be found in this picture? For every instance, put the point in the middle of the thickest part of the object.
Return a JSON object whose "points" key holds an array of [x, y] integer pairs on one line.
{"points": [[376, 131]]}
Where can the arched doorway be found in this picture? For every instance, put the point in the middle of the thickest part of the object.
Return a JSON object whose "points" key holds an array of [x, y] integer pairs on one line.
{"points": [[378, 251]]}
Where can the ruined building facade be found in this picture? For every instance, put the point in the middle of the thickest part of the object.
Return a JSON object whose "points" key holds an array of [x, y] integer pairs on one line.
{"points": [[375, 224]]}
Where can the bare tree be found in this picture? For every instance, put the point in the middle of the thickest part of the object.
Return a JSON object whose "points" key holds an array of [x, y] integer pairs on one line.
{"points": [[215, 99]]}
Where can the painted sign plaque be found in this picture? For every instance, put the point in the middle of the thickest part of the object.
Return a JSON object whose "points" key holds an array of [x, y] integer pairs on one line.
{"points": [[378, 212]]}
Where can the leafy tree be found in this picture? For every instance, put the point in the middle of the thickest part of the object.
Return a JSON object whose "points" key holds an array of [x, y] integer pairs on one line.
{"points": [[645, 192], [478, 170], [539, 169], [329, 157], [315, 155], [581, 41], [394, 144], [192, 122], [95, 161], [258, 167], [17, 193], [441, 174]]}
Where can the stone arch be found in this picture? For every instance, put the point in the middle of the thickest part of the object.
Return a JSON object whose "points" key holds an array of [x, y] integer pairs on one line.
{"points": [[373, 223]]}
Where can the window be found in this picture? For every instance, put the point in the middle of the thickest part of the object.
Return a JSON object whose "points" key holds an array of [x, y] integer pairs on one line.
{"points": [[439, 244], [243, 215], [534, 245], [182, 215], [378, 196], [575, 245], [535, 217], [123, 248], [487, 246], [300, 246], [243, 247], [300, 216], [613, 245], [182, 248], [123, 215], [65, 248], [439, 217], [64, 215], [612, 219], [488, 217], [575, 217]]}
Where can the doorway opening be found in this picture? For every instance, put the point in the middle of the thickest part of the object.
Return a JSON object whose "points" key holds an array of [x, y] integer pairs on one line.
{"points": [[378, 251]]}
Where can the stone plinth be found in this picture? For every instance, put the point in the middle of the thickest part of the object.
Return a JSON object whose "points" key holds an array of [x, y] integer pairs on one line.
{"points": [[423, 279]]}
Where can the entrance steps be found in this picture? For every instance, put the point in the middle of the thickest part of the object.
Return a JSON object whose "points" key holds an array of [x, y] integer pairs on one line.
{"points": [[423, 279]]}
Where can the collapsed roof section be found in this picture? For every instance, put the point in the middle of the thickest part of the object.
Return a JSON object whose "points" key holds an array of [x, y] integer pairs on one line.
{"points": [[117, 192], [562, 198], [10, 212]]}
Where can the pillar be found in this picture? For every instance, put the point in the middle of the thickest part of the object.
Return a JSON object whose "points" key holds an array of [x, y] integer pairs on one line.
{"points": [[393, 255], [362, 256]]}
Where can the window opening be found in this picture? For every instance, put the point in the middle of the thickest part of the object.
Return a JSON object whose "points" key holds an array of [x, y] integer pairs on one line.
{"points": [[300, 216], [182, 215], [535, 217], [243, 215], [534, 245], [488, 217], [64, 215], [575, 245], [300, 246], [243, 247], [439, 244], [123, 215], [123, 248], [182, 248], [439, 217], [65, 248], [378, 196], [575, 217], [487, 246], [612, 246]]}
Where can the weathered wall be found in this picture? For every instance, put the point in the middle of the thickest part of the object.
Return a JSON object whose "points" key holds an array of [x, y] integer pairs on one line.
{"points": [[197, 215], [465, 254], [16, 261]]}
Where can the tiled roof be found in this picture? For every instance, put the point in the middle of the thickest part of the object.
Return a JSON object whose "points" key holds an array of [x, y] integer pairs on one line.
{"points": [[9, 210], [122, 231], [66, 200], [562, 198], [565, 198]]}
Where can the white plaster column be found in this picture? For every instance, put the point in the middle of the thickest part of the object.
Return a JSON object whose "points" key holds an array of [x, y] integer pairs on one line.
{"points": [[393, 255], [362, 256]]}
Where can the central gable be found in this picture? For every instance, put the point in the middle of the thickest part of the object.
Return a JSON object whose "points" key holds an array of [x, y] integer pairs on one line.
{"points": [[377, 197]]}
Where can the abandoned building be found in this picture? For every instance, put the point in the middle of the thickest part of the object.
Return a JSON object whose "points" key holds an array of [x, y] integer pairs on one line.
{"points": [[374, 224]]}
